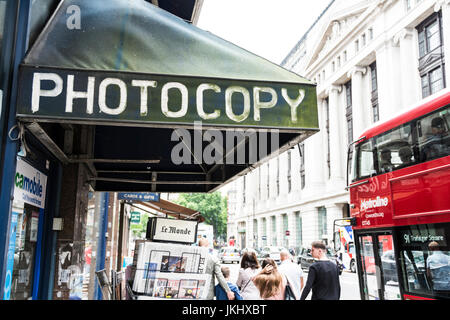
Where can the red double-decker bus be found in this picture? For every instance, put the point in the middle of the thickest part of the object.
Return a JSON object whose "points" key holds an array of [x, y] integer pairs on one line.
{"points": [[400, 204]]}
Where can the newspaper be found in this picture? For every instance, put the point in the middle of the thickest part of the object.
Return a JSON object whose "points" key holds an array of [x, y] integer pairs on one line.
{"points": [[171, 271]]}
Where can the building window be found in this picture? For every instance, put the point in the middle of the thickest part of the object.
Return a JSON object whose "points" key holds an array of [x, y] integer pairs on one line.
{"points": [[345, 56], [322, 222], [408, 4], [356, 45], [363, 40], [374, 99], [278, 176], [301, 149], [431, 55], [370, 33], [349, 113], [333, 66], [327, 128], [339, 61], [289, 178], [259, 183], [243, 189]]}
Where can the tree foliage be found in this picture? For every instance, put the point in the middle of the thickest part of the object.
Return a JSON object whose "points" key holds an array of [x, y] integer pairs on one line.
{"points": [[213, 208]]}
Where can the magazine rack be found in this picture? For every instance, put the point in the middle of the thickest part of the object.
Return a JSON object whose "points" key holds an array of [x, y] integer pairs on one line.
{"points": [[169, 271]]}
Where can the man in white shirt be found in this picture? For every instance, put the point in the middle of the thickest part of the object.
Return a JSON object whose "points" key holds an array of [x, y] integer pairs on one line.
{"points": [[438, 268], [292, 271]]}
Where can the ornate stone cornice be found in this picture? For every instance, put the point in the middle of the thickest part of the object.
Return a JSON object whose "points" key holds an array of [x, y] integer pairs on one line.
{"points": [[334, 87], [405, 33], [355, 69], [440, 3]]}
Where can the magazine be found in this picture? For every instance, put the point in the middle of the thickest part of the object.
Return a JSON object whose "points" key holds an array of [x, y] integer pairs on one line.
{"points": [[170, 271]]}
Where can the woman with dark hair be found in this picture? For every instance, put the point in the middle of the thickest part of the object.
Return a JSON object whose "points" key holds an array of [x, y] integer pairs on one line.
{"points": [[249, 268], [270, 283]]}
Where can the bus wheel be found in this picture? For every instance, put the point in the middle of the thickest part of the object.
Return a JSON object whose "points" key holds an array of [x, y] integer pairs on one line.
{"points": [[353, 266]]}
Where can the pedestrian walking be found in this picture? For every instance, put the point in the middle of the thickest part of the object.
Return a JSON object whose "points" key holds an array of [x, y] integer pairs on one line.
{"points": [[249, 268], [270, 282], [213, 268], [220, 293], [323, 276], [293, 273]]}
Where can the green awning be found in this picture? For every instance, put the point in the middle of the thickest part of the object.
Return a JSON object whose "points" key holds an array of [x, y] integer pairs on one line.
{"points": [[129, 73], [131, 62]]}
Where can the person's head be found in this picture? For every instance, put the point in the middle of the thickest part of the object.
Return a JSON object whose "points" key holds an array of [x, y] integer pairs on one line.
{"points": [[269, 282], [249, 260], [203, 242], [318, 249], [433, 246], [268, 261], [225, 272], [386, 155], [285, 255], [405, 154], [437, 125]]}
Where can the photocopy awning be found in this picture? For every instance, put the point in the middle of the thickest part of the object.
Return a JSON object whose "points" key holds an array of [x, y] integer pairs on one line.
{"points": [[133, 73]]}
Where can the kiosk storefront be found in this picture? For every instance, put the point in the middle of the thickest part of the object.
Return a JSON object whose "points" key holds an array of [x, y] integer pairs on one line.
{"points": [[129, 98]]}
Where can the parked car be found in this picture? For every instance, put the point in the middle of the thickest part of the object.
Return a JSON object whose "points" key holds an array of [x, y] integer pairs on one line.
{"points": [[229, 255], [249, 249], [305, 259], [272, 252]]}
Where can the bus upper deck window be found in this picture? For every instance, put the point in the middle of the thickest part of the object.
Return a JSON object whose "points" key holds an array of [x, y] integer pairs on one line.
{"points": [[434, 137]]}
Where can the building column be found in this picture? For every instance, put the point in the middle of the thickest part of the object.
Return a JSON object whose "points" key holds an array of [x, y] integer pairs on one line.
{"points": [[337, 147], [388, 80], [359, 108], [408, 68], [280, 233], [314, 152], [334, 211], [292, 229]]}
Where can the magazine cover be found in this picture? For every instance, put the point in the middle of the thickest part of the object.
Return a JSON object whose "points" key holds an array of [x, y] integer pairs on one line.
{"points": [[177, 286], [170, 271]]}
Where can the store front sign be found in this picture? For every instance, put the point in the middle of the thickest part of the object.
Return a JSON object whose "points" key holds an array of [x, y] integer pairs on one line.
{"points": [[157, 99], [29, 185], [138, 196], [174, 230]]}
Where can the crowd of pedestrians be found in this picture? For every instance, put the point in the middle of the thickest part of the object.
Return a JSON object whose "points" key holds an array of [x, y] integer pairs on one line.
{"points": [[270, 281]]}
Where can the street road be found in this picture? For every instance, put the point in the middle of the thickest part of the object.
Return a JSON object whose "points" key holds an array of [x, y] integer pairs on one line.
{"points": [[348, 280]]}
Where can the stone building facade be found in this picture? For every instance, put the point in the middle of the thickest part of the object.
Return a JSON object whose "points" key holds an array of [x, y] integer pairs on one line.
{"points": [[370, 59]]}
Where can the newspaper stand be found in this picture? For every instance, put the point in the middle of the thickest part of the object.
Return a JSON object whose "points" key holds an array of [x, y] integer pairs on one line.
{"points": [[166, 265]]}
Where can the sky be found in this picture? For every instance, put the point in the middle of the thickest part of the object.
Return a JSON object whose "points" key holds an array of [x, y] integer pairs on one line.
{"points": [[268, 28]]}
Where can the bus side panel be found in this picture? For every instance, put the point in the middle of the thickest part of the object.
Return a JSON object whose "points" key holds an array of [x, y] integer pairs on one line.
{"points": [[422, 193]]}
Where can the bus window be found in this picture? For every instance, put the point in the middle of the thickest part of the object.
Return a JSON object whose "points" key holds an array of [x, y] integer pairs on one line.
{"points": [[371, 288], [388, 267], [425, 259], [394, 149], [365, 160], [433, 135]]}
